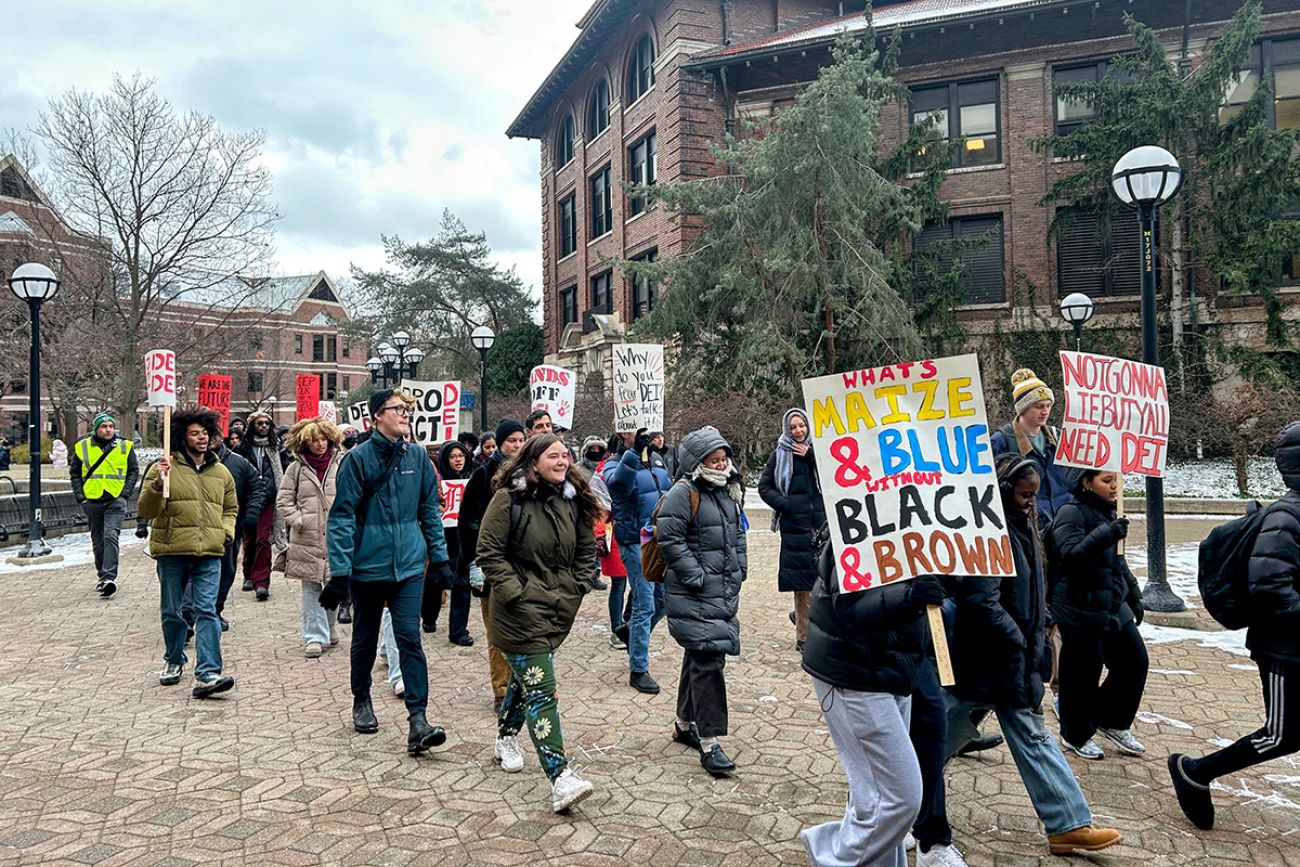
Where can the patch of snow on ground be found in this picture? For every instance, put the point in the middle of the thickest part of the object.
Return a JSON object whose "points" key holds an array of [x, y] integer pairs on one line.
{"points": [[75, 549], [1244, 666], [1272, 799], [1232, 642], [1157, 719], [1216, 480], [1180, 567], [1171, 671], [1220, 742]]}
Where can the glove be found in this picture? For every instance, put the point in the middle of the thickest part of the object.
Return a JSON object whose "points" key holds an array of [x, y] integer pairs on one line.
{"points": [[1120, 528], [476, 577], [442, 573], [335, 592], [642, 441], [250, 523], [925, 590], [141, 531], [1139, 613]]}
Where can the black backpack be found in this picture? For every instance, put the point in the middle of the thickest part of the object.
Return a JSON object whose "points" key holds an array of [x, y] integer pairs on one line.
{"points": [[1223, 565]]}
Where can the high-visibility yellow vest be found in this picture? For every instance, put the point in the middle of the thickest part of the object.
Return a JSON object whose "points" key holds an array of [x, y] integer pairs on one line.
{"points": [[110, 476]]}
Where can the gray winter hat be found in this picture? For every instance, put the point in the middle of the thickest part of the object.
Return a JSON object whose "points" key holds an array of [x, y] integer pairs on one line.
{"points": [[697, 445]]}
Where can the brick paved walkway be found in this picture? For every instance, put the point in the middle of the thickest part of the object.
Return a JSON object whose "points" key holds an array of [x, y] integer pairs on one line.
{"points": [[100, 765]]}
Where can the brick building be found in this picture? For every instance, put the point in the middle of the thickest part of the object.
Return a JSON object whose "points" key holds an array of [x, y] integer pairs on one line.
{"points": [[649, 84]]}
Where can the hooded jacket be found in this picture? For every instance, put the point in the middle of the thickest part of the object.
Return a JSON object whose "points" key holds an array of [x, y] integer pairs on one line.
{"points": [[478, 493], [250, 491], [635, 488], [459, 565], [1273, 576], [1054, 486], [539, 572], [706, 555], [198, 518], [799, 512], [401, 526], [304, 502], [1092, 585]]}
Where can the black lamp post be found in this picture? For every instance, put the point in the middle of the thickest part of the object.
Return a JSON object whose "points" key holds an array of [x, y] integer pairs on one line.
{"points": [[483, 338], [35, 284], [397, 359], [1144, 179], [1076, 309]]}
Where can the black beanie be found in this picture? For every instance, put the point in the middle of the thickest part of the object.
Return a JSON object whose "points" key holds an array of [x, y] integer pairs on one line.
{"points": [[379, 398], [506, 427]]}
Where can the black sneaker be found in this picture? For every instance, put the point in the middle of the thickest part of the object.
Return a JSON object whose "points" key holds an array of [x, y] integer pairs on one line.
{"points": [[716, 762], [1193, 797], [689, 738], [423, 737], [363, 717], [794, 621], [980, 744], [623, 631], [598, 584], [345, 614], [99, 586], [248, 585], [170, 675], [431, 626], [211, 684], [225, 624], [108, 588], [465, 640], [189, 634], [641, 681], [262, 594]]}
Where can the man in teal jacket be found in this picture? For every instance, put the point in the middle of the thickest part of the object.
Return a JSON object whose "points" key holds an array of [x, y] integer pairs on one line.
{"points": [[383, 525]]}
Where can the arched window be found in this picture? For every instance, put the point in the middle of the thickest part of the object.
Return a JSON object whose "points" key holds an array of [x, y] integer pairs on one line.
{"points": [[564, 145], [641, 69], [598, 117]]}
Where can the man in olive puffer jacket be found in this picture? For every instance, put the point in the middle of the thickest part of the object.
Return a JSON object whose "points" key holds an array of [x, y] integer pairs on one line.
{"points": [[191, 528]]}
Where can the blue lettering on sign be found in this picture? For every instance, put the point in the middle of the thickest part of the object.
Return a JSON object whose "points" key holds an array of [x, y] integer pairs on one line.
{"points": [[960, 449]]}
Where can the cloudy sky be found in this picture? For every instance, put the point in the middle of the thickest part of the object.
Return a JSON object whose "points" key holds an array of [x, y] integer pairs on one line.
{"points": [[378, 114]]}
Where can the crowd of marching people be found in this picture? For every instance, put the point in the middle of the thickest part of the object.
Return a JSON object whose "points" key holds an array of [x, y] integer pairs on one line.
{"points": [[355, 521]]}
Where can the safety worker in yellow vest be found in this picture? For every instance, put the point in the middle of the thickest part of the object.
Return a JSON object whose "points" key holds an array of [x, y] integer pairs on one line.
{"points": [[104, 472]]}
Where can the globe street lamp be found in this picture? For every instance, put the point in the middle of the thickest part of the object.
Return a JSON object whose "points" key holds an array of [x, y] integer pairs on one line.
{"points": [[388, 354], [1144, 179], [483, 338], [1076, 309], [412, 357], [397, 359], [35, 284], [374, 365]]}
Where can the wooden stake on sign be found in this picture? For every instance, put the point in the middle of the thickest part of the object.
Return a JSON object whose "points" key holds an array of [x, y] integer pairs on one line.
{"points": [[939, 637], [167, 448], [1119, 513]]}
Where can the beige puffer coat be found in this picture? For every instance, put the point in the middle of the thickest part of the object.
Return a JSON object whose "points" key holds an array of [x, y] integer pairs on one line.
{"points": [[304, 503]]}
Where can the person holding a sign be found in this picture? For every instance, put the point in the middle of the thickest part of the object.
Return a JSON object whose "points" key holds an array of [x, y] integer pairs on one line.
{"points": [[1000, 656], [700, 530], [453, 471], [191, 527], [789, 485], [103, 471], [304, 501], [382, 528], [262, 449], [538, 552], [1097, 606]]}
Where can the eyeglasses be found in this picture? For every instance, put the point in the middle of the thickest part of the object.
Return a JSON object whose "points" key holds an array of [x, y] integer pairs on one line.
{"points": [[400, 410]]}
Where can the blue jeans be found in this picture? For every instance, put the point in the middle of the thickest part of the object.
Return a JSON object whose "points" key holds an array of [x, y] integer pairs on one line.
{"points": [[647, 609], [617, 590], [1051, 785], [203, 576]]}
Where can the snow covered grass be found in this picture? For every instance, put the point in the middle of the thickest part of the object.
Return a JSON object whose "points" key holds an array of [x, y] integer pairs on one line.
{"points": [[1214, 479]]}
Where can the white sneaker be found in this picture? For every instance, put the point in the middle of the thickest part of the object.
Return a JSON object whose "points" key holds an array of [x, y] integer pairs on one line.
{"points": [[940, 856], [508, 756], [567, 790], [1123, 738], [1090, 751], [909, 842], [399, 688], [313, 650]]}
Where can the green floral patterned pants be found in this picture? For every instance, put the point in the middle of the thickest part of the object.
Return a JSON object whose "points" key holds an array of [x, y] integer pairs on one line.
{"points": [[530, 697]]}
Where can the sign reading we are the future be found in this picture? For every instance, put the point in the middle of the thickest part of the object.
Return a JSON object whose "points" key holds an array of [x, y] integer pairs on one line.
{"points": [[906, 471]]}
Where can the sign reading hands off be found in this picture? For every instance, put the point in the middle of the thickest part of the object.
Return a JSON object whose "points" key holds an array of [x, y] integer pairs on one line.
{"points": [[553, 389], [638, 387], [906, 471]]}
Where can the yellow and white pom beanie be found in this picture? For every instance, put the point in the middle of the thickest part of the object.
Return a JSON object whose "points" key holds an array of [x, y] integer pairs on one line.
{"points": [[1027, 389]]}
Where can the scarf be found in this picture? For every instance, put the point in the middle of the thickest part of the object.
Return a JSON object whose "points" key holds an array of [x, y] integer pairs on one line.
{"points": [[265, 449], [728, 479], [785, 459], [319, 463]]}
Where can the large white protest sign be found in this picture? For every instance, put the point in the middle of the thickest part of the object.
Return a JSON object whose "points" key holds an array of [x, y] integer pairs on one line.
{"points": [[436, 418], [638, 387], [553, 389], [359, 415], [1116, 415], [906, 471], [160, 377]]}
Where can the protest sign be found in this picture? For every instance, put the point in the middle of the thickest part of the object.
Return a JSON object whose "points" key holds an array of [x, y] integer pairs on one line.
{"points": [[359, 415], [214, 393], [436, 418], [454, 492], [906, 471], [160, 377], [307, 394], [1116, 415], [553, 389], [329, 411], [638, 387]]}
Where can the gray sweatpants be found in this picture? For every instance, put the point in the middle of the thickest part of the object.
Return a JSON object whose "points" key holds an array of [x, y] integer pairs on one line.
{"points": [[870, 734], [105, 518]]}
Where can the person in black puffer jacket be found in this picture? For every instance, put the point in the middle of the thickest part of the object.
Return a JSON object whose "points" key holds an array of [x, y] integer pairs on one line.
{"points": [[1097, 605], [1273, 638], [863, 652], [454, 461], [705, 552], [789, 485], [1000, 656]]}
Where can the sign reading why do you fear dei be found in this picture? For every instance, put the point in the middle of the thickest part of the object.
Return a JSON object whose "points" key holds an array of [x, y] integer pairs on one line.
{"points": [[1116, 415], [638, 387], [906, 471]]}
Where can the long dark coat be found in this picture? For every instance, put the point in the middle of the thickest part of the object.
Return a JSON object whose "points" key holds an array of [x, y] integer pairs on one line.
{"points": [[800, 512]]}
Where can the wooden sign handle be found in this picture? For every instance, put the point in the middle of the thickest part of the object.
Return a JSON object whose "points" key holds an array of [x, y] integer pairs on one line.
{"points": [[167, 448], [939, 637], [1119, 512]]}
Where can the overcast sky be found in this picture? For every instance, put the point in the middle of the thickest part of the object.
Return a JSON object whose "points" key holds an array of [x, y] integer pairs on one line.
{"points": [[378, 114]]}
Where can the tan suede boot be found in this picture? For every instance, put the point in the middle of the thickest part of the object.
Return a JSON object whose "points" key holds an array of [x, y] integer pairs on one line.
{"points": [[1088, 839]]}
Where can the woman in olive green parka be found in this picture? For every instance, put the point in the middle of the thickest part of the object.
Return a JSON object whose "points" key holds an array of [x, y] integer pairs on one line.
{"points": [[537, 550]]}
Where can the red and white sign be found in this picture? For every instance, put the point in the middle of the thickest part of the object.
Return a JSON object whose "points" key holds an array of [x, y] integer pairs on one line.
{"points": [[1116, 415], [436, 419], [307, 393], [554, 389], [214, 393], [359, 416], [454, 492], [329, 411], [160, 377]]}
